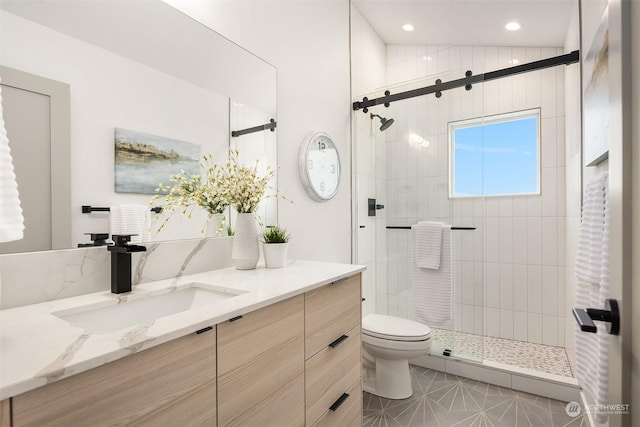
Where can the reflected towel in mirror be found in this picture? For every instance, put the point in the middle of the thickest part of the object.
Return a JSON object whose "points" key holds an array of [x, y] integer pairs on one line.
{"points": [[130, 219], [11, 219]]}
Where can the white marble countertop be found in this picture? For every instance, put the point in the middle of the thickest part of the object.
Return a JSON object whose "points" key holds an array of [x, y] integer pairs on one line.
{"points": [[37, 347]]}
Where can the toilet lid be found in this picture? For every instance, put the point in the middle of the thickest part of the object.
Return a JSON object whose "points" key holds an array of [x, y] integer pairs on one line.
{"points": [[394, 328]]}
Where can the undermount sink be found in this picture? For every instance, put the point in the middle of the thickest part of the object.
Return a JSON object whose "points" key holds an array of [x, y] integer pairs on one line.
{"points": [[101, 319]]}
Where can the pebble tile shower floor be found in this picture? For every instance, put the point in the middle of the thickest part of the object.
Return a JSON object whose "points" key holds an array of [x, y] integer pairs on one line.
{"points": [[539, 357], [445, 400]]}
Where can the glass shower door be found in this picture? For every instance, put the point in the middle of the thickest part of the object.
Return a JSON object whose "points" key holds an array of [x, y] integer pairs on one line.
{"points": [[406, 166]]}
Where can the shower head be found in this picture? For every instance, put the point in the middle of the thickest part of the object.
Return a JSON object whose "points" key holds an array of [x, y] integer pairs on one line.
{"points": [[385, 123]]}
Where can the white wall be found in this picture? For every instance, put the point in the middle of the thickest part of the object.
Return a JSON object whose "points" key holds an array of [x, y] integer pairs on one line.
{"points": [[368, 73], [308, 42], [109, 91], [518, 246]]}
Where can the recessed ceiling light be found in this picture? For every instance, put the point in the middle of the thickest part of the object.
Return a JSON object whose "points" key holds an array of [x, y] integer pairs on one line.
{"points": [[427, 58], [407, 27], [513, 26], [514, 61]]}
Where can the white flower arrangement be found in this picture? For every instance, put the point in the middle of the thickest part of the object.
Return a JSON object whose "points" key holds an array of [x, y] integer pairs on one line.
{"points": [[190, 191], [243, 185], [233, 184]]}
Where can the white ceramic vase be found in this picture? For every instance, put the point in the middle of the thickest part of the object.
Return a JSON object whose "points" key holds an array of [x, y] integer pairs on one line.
{"points": [[245, 251], [216, 226], [275, 254]]}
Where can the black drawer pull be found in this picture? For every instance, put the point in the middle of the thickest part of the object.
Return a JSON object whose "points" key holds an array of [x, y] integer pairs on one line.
{"points": [[339, 402], [233, 319], [335, 282], [203, 330], [338, 341]]}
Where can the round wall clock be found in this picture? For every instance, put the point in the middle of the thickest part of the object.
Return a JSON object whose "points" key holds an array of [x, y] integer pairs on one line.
{"points": [[319, 167]]}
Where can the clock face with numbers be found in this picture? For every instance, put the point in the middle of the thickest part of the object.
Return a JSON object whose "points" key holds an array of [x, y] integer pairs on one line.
{"points": [[319, 166]]}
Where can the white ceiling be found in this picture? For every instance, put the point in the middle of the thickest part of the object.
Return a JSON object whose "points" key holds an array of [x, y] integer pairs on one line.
{"points": [[469, 22]]}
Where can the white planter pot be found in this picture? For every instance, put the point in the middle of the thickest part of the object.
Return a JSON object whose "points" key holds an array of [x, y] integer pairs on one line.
{"points": [[275, 254], [245, 251], [216, 226]]}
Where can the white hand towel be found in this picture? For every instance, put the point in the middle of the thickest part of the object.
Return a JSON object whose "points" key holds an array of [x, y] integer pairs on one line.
{"points": [[129, 219], [11, 219], [433, 289], [592, 288], [427, 244]]}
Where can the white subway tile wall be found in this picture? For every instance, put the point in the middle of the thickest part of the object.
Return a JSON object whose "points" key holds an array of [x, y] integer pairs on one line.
{"points": [[510, 272]]}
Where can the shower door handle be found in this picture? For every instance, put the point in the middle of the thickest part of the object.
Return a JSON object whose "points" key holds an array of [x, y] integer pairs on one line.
{"points": [[586, 316]]}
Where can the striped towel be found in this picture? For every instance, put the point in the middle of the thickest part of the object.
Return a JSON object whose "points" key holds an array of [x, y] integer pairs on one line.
{"points": [[592, 288], [427, 244], [433, 289], [130, 219]]}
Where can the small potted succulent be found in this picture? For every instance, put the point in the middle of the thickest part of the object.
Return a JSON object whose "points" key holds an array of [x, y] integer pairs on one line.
{"points": [[275, 242]]}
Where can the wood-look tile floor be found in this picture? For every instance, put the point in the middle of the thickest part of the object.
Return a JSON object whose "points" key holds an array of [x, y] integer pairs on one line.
{"points": [[445, 400]]}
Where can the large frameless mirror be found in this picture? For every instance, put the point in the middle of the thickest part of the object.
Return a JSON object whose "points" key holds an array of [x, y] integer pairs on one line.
{"points": [[138, 71]]}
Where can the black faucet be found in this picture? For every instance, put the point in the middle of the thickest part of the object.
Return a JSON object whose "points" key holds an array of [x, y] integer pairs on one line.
{"points": [[121, 262]]}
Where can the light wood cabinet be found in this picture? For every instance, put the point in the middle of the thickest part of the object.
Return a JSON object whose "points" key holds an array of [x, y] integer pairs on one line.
{"points": [[330, 373], [261, 367], [349, 411], [293, 363], [170, 384], [330, 311], [5, 413], [333, 349]]}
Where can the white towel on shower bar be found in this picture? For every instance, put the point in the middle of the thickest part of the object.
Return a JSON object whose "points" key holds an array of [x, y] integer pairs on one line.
{"points": [[130, 219], [427, 244], [592, 287], [433, 289]]}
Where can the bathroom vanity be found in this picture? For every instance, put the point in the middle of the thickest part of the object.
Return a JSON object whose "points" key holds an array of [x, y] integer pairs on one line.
{"points": [[275, 347]]}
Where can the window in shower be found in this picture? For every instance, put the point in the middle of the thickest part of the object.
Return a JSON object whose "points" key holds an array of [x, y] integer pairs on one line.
{"points": [[495, 156]]}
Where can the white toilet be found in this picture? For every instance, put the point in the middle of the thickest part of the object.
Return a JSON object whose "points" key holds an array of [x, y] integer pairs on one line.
{"points": [[388, 343]]}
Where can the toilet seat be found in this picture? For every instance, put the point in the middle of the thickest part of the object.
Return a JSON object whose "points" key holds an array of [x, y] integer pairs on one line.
{"points": [[397, 346], [394, 328]]}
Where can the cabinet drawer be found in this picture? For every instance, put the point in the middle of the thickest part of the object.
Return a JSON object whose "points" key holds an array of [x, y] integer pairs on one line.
{"points": [[171, 384], [261, 367], [5, 413], [330, 373], [348, 413], [330, 312]]}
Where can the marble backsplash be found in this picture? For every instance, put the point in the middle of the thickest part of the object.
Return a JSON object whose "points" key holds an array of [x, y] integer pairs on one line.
{"points": [[35, 277]]}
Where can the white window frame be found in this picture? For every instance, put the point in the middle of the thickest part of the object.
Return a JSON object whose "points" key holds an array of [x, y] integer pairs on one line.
{"points": [[488, 120]]}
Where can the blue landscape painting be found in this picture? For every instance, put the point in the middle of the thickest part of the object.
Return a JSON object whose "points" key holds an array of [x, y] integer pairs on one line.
{"points": [[142, 161]]}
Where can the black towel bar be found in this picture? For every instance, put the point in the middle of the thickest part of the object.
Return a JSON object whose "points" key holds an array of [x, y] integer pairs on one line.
{"points": [[407, 227], [88, 209]]}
